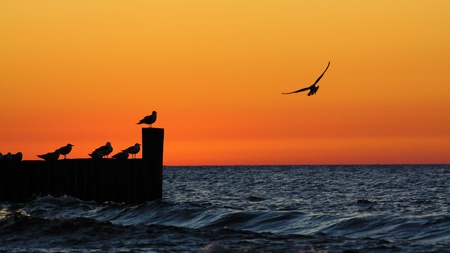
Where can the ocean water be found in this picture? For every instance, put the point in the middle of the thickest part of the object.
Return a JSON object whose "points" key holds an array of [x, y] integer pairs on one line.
{"points": [[383, 208]]}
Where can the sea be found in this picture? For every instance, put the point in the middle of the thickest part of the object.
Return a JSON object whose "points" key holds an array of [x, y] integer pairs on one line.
{"points": [[355, 208]]}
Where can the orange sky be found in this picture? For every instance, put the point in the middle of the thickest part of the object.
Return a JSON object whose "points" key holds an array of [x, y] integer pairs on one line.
{"points": [[84, 72]]}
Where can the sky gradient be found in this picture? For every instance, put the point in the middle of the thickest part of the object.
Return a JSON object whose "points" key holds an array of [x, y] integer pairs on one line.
{"points": [[85, 72]]}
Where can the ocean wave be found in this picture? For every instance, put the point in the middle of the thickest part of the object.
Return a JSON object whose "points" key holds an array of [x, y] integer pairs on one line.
{"points": [[243, 216], [56, 214]]}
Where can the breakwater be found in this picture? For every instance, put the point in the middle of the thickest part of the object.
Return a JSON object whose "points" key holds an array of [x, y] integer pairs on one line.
{"points": [[130, 180]]}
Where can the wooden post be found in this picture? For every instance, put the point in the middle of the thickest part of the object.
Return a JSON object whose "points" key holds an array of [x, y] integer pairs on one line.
{"points": [[152, 155]]}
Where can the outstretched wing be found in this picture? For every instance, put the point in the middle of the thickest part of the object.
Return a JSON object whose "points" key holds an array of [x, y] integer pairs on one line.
{"points": [[308, 88], [304, 89], [318, 79]]}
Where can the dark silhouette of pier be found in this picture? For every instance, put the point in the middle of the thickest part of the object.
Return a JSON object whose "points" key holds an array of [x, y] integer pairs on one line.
{"points": [[127, 180]]}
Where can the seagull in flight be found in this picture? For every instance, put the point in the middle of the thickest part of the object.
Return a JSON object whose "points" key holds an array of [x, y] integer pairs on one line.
{"points": [[150, 119], [313, 88]]}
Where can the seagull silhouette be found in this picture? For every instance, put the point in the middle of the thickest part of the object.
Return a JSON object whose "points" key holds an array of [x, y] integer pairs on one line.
{"points": [[104, 150], [150, 119], [8, 157], [133, 150], [313, 88], [96, 154], [17, 157], [66, 150], [51, 156], [121, 155]]}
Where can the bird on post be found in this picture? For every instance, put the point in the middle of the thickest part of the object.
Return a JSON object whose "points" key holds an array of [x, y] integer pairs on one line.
{"points": [[7, 157], [51, 156], [104, 150], [149, 120], [133, 150], [96, 154], [17, 157], [121, 155], [313, 88], [11, 157], [66, 150]]}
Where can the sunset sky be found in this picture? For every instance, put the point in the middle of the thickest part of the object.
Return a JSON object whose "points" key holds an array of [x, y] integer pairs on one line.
{"points": [[85, 72]]}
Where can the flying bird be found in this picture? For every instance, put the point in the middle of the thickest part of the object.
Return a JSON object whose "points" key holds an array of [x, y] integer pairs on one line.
{"points": [[133, 150], [66, 150], [150, 119], [104, 150], [313, 88], [51, 156]]}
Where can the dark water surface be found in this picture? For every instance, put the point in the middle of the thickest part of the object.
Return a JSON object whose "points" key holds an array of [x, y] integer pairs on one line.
{"points": [[401, 208]]}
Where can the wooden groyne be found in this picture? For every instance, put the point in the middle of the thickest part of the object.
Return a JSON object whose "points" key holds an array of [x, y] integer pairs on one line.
{"points": [[129, 181]]}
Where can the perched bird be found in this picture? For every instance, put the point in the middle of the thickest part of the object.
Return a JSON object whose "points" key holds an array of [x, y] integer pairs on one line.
{"points": [[133, 150], [66, 150], [97, 154], [51, 156], [17, 157], [7, 157], [105, 150], [150, 119], [313, 88], [121, 155], [11, 157]]}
